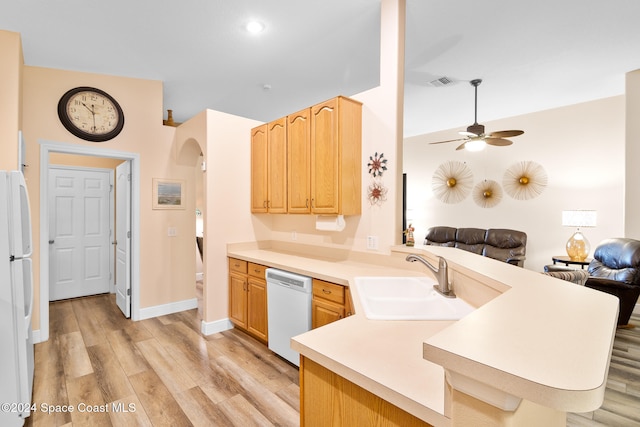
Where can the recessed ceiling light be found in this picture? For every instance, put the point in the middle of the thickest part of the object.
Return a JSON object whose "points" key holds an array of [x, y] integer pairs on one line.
{"points": [[255, 27]]}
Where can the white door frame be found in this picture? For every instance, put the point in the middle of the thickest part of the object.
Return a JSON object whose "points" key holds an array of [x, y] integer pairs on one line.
{"points": [[47, 147]]}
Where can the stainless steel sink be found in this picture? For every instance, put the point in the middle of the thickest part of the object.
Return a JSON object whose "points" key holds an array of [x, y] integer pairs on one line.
{"points": [[407, 298]]}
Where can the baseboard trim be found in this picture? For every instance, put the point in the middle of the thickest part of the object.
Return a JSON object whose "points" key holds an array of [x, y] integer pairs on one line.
{"points": [[164, 309], [210, 328]]}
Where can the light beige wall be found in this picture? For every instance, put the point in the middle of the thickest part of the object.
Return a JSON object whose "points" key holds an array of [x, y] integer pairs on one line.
{"points": [[10, 97], [381, 133], [632, 154], [581, 147], [225, 142], [167, 267]]}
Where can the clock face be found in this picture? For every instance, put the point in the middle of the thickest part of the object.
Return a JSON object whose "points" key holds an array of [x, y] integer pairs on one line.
{"points": [[90, 114]]}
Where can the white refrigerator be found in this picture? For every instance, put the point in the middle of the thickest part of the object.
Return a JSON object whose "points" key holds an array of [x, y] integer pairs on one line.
{"points": [[16, 300]]}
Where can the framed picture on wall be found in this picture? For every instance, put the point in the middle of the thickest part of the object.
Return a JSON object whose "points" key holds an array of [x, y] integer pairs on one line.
{"points": [[168, 193]]}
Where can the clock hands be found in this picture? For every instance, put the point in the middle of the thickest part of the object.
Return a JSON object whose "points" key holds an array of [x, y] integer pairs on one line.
{"points": [[93, 115]]}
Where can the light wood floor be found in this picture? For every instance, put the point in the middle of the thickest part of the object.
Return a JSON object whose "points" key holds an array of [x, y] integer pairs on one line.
{"points": [[167, 374], [162, 370], [621, 405]]}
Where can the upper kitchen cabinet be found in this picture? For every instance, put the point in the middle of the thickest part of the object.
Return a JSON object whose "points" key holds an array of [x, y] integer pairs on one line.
{"points": [[269, 167], [259, 169], [336, 157], [299, 161], [321, 162]]}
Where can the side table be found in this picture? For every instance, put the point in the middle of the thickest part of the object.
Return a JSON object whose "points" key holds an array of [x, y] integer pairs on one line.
{"points": [[563, 259]]}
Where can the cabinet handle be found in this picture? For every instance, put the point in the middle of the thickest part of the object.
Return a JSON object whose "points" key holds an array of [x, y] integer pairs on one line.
{"points": [[264, 204], [236, 265], [257, 270], [312, 200], [306, 203], [326, 291]]}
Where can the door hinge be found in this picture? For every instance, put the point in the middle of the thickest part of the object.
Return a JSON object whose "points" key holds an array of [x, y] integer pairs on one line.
{"points": [[128, 234], [128, 177], [129, 292]]}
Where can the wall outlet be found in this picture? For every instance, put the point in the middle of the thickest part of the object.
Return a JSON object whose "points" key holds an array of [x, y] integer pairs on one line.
{"points": [[372, 242], [171, 232]]}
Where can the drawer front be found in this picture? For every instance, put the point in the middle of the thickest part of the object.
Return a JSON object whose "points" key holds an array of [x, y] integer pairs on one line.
{"points": [[238, 265], [328, 291], [257, 270]]}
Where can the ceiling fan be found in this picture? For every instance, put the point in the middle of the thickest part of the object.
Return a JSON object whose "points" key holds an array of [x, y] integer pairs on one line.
{"points": [[474, 137]]}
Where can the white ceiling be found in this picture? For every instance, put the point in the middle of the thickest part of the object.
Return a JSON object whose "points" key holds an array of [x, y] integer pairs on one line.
{"points": [[530, 55]]}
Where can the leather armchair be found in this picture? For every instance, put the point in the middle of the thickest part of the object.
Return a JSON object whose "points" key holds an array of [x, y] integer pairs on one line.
{"points": [[615, 269]]}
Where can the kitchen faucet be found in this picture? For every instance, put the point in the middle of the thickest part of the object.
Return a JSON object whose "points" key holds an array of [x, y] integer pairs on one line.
{"points": [[441, 273]]}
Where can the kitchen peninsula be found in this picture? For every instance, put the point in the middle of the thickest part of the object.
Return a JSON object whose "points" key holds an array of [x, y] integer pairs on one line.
{"points": [[535, 347]]}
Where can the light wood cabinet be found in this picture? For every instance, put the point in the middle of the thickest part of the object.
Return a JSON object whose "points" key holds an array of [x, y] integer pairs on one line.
{"points": [[269, 167], [299, 162], [259, 169], [330, 302], [336, 157], [323, 161], [327, 399], [248, 297]]}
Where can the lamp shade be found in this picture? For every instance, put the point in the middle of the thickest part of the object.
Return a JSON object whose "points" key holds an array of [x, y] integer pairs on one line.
{"points": [[579, 218]]}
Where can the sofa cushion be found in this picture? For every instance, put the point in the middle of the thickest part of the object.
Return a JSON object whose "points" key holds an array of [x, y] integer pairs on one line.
{"points": [[471, 239], [441, 236]]}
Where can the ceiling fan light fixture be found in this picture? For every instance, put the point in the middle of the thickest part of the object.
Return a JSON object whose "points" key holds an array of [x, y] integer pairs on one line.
{"points": [[475, 145]]}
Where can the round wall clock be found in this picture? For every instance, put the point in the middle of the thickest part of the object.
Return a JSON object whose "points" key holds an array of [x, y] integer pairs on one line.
{"points": [[90, 114]]}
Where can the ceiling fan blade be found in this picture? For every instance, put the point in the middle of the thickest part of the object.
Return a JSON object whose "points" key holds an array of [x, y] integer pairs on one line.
{"points": [[461, 146], [449, 140], [505, 133], [498, 142]]}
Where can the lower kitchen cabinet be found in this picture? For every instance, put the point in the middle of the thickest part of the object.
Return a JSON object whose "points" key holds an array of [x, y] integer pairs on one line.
{"points": [[248, 297], [327, 399], [330, 302]]}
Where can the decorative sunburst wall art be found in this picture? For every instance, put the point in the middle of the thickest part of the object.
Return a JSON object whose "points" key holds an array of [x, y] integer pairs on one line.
{"points": [[377, 164], [487, 193], [452, 181], [524, 180]]}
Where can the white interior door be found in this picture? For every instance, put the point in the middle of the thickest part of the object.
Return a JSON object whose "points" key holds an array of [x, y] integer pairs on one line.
{"points": [[123, 238], [79, 232]]}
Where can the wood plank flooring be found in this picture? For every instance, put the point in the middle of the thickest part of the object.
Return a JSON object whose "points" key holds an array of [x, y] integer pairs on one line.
{"points": [[163, 372], [621, 405], [156, 372]]}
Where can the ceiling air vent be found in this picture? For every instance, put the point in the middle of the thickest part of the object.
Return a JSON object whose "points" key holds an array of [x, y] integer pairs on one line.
{"points": [[442, 81]]}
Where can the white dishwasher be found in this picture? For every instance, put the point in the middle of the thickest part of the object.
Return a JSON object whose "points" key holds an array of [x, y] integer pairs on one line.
{"points": [[289, 310]]}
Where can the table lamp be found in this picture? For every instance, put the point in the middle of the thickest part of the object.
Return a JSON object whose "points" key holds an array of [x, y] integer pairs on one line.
{"points": [[578, 246]]}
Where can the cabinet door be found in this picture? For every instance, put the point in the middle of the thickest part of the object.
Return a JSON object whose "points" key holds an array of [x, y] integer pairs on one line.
{"points": [[325, 173], [238, 299], [277, 166], [257, 308], [259, 169], [324, 312], [299, 161]]}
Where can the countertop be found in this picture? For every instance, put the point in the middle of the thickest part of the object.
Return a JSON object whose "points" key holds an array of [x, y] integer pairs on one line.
{"points": [[532, 335]]}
